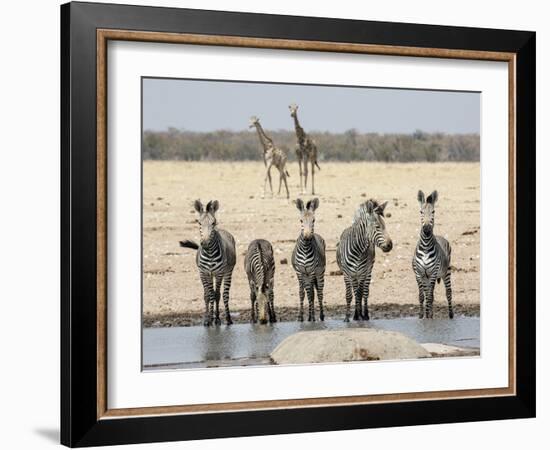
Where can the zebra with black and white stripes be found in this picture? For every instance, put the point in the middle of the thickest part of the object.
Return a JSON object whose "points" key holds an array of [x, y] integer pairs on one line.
{"points": [[216, 257], [432, 259], [355, 254], [259, 265], [309, 260]]}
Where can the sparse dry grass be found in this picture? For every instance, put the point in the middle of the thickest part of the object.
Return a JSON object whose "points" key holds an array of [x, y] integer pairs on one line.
{"points": [[171, 282]]}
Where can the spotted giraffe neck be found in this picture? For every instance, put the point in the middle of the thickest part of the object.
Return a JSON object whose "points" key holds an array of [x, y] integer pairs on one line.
{"points": [[300, 133], [264, 139]]}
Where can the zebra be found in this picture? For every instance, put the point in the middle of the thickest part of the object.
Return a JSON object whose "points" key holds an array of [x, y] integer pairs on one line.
{"points": [[309, 260], [259, 266], [432, 259], [355, 254], [216, 257]]}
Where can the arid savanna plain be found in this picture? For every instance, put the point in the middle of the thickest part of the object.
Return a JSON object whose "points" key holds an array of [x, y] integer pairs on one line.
{"points": [[173, 293]]}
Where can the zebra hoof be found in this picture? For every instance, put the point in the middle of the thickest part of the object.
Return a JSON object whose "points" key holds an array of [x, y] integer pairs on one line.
{"points": [[451, 315], [228, 321], [322, 317], [217, 321], [206, 322], [346, 319]]}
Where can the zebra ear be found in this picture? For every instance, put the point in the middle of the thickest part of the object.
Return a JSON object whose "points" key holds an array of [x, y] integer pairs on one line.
{"points": [[380, 209], [198, 206], [212, 206], [432, 198], [299, 204], [370, 206], [421, 198], [313, 204]]}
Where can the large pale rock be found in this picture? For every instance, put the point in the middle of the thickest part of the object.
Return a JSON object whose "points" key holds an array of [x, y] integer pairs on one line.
{"points": [[442, 350], [359, 344]]}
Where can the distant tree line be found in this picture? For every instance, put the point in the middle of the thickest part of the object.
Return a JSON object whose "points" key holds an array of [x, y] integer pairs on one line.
{"points": [[351, 145]]}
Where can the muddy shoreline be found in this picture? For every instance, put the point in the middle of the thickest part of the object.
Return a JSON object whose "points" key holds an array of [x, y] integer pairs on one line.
{"points": [[289, 314]]}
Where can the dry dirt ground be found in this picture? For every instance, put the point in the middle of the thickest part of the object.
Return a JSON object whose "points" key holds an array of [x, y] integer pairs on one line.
{"points": [[172, 292]]}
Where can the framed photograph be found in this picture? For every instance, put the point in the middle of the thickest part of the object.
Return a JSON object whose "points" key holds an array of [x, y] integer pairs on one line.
{"points": [[276, 224]]}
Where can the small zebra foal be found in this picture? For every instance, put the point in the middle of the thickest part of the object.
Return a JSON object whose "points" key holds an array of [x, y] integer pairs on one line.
{"points": [[215, 259], [355, 254], [309, 260], [259, 266], [432, 259]]}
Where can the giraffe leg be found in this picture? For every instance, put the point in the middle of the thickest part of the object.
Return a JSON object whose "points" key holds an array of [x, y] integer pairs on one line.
{"points": [[286, 187], [312, 178], [301, 175], [270, 182], [226, 287], [305, 176], [267, 177], [349, 297], [449, 292]]}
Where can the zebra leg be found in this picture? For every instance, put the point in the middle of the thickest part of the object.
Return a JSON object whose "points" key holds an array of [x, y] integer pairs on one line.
{"points": [[420, 284], [301, 293], [358, 289], [449, 293], [320, 285], [366, 288], [429, 298], [208, 299], [272, 316], [253, 316], [280, 183], [217, 294], [310, 297], [349, 297], [226, 288]]}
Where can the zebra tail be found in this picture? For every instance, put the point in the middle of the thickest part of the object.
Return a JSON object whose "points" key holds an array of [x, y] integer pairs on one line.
{"points": [[189, 244], [438, 280]]}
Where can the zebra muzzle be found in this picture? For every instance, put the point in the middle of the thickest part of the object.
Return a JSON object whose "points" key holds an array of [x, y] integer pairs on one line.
{"points": [[262, 307]]}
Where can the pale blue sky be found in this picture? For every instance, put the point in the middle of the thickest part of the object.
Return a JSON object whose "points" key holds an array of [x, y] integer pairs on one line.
{"points": [[196, 105]]}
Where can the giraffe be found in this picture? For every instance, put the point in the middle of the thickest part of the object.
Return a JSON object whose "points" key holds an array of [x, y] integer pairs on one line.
{"points": [[273, 156], [306, 152]]}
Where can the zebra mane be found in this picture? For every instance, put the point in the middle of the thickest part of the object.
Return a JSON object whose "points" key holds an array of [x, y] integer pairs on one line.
{"points": [[361, 212]]}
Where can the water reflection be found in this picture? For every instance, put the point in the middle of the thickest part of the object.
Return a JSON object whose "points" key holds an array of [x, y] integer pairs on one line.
{"points": [[220, 345]]}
